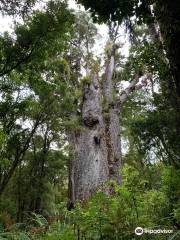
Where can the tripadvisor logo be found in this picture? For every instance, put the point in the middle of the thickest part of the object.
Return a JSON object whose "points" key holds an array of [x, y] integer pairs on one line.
{"points": [[139, 231]]}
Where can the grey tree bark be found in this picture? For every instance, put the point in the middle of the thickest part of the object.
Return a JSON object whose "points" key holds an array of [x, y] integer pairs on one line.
{"points": [[89, 168], [97, 148]]}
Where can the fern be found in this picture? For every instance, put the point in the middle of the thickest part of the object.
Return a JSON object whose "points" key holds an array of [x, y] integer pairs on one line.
{"points": [[39, 219], [173, 237]]}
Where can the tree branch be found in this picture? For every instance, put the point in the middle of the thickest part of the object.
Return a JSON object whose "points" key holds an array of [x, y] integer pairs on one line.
{"points": [[133, 86], [126, 92], [22, 60], [107, 84]]}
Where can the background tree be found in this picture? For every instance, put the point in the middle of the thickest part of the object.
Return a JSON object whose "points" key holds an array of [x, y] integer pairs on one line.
{"points": [[28, 66]]}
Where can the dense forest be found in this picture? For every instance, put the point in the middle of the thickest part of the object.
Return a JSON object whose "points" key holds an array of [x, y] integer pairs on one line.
{"points": [[89, 132]]}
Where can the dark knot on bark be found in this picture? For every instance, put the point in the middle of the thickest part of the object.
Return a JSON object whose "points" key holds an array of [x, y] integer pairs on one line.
{"points": [[90, 121], [97, 140]]}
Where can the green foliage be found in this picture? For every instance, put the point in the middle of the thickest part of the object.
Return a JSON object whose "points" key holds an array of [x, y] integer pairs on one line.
{"points": [[40, 30], [38, 219], [85, 80], [17, 7], [114, 10], [35, 97], [75, 124], [148, 208], [119, 11]]}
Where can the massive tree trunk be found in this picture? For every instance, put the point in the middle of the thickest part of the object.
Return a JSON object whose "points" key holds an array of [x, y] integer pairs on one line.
{"points": [[97, 147], [89, 168]]}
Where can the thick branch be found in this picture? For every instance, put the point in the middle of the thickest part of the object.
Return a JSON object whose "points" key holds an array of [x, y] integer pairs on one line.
{"points": [[132, 86], [124, 95]]}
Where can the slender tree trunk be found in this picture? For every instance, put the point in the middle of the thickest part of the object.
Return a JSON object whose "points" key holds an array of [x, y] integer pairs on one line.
{"points": [[18, 158]]}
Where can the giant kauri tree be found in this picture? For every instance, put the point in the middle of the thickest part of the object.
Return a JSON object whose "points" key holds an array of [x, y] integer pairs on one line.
{"points": [[97, 145]]}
